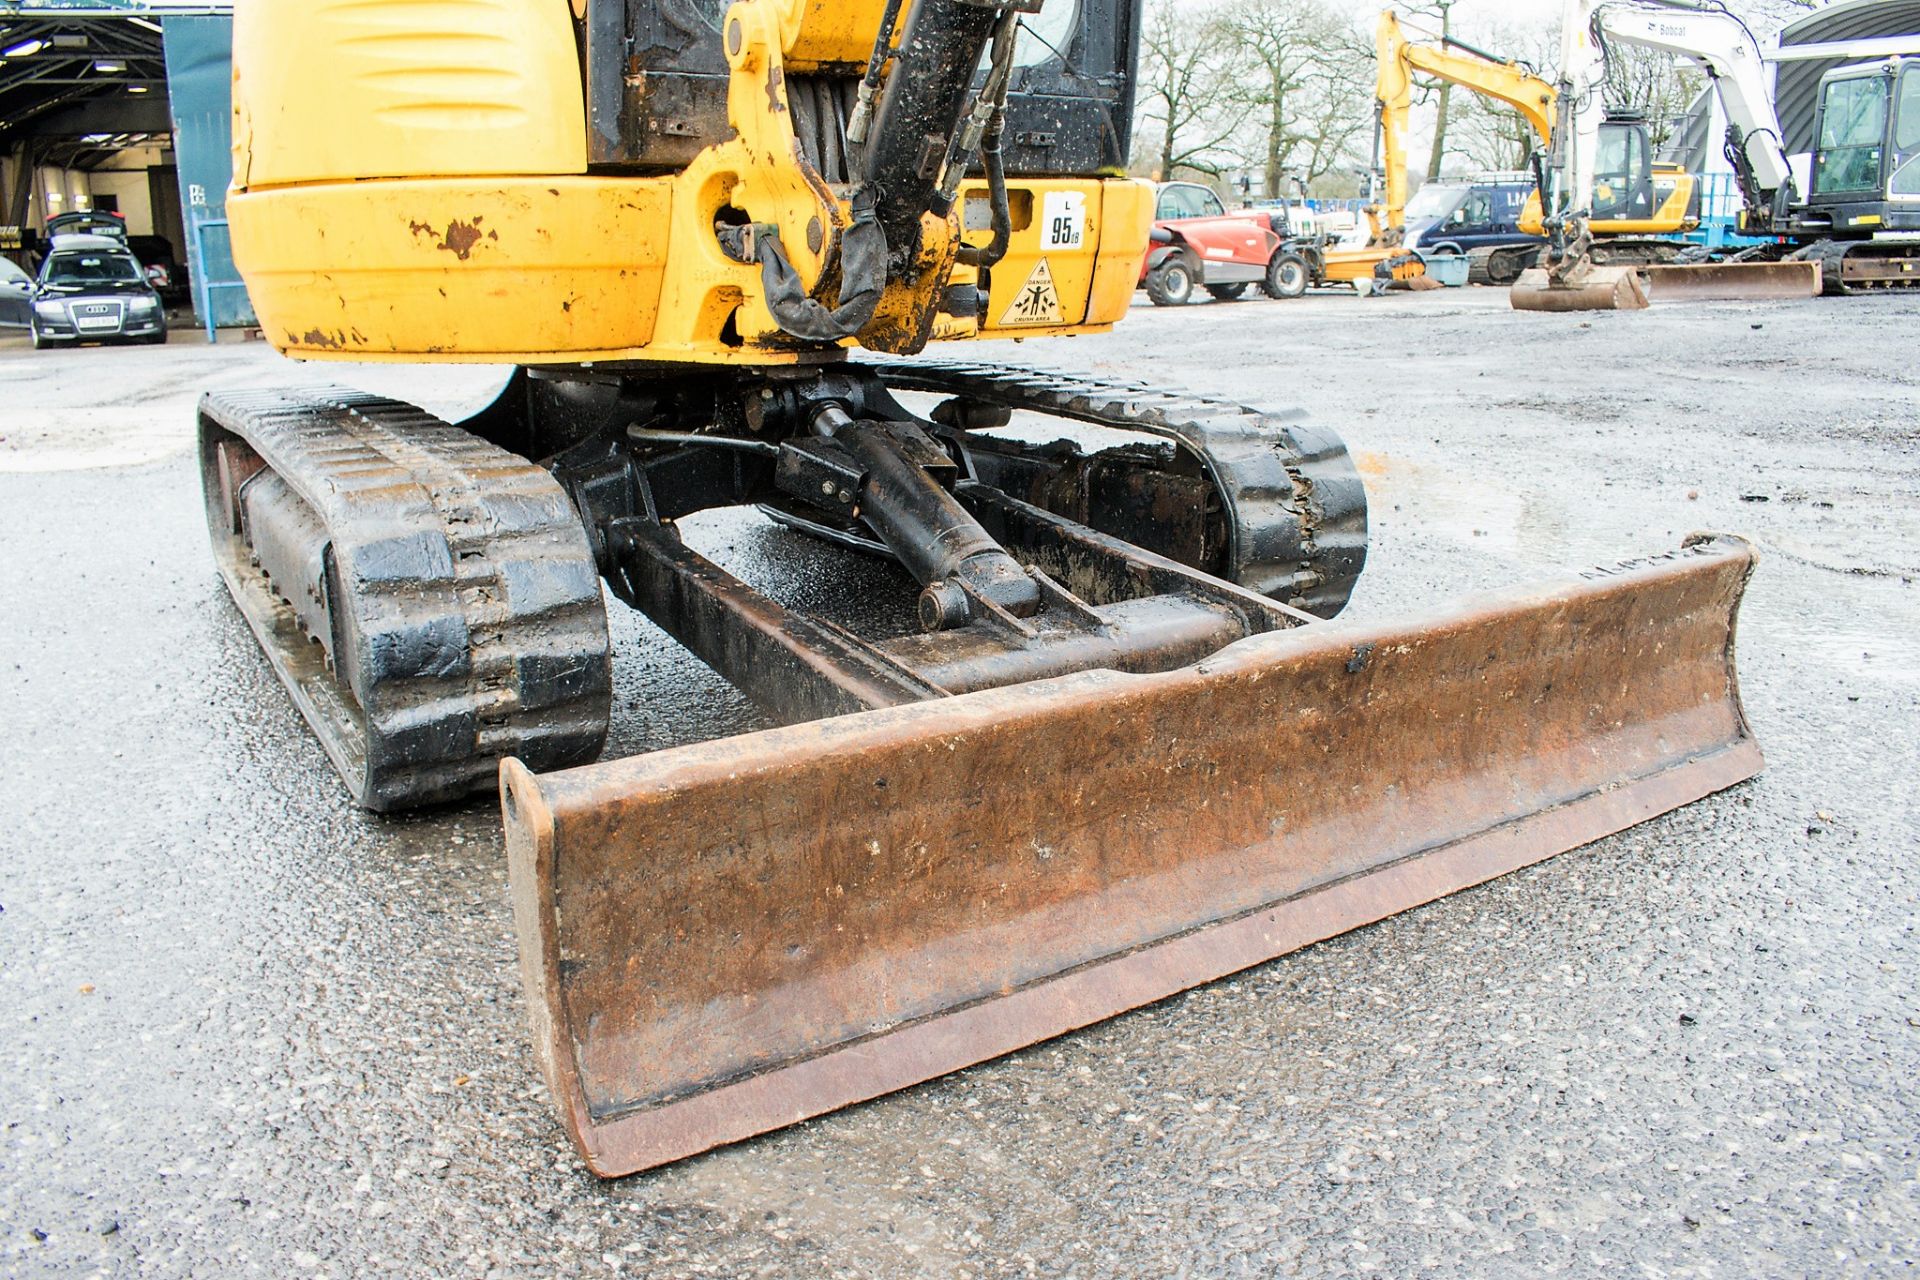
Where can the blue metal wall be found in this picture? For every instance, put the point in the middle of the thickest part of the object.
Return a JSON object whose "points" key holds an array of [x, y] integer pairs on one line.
{"points": [[200, 86]]}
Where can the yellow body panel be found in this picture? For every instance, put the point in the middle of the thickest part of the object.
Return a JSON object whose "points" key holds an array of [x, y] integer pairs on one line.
{"points": [[1672, 186], [1348, 266], [492, 269], [566, 269], [1127, 220], [836, 33], [340, 90], [462, 239], [1094, 283]]}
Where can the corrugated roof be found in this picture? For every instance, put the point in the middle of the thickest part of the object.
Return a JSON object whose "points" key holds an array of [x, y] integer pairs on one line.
{"points": [[1797, 84], [69, 82]]}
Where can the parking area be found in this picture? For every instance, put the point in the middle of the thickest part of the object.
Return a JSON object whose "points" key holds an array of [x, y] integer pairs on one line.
{"points": [[251, 1030]]}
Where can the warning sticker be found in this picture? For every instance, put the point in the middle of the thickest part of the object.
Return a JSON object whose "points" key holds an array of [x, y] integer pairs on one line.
{"points": [[1038, 302], [1063, 220]]}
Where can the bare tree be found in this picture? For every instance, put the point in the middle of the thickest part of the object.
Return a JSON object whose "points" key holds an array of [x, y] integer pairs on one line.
{"points": [[1768, 16], [1335, 121], [1298, 64], [1489, 134], [1652, 83], [1183, 89]]}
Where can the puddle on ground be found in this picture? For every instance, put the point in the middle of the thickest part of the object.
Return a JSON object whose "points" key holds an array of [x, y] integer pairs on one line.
{"points": [[1892, 655], [1443, 503]]}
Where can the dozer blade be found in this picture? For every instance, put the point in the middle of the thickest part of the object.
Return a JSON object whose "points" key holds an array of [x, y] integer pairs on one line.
{"points": [[1733, 281], [722, 939], [1595, 288]]}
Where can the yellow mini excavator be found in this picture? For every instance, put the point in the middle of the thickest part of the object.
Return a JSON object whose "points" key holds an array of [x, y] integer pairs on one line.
{"points": [[1106, 747]]}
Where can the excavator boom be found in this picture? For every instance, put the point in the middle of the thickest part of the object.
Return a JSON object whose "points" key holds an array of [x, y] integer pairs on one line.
{"points": [[1539, 103], [1396, 59]]}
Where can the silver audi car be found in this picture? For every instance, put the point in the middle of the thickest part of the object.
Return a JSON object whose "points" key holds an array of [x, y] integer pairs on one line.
{"points": [[91, 289]]}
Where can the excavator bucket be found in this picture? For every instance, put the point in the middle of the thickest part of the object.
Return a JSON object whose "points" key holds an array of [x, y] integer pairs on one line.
{"points": [[1734, 281], [725, 938], [1592, 288]]}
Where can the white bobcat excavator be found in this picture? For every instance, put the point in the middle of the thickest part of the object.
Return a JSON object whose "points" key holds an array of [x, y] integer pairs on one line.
{"points": [[1835, 241], [1857, 227], [1102, 742], [1642, 199]]}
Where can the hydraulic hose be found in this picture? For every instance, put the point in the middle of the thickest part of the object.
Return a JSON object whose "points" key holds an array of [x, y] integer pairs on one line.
{"points": [[979, 256]]}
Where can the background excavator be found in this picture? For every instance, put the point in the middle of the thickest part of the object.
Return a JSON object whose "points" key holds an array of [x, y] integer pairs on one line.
{"points": [[1720, 45], [1854, 229], [1098, 746], [1634, 198]]}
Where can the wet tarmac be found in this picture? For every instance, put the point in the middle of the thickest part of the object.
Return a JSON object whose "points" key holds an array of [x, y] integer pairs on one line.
{"points": [[248, 1030]]}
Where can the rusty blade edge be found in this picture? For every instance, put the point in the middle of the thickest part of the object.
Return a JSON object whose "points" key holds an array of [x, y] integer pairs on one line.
{"points": [[566, 791], [1734, 281], [949, 1041], [625, 1142]]}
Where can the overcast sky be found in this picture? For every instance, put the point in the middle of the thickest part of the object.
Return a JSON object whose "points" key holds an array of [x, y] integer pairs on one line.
{"points": [[1764, 15], [1519, 12]]}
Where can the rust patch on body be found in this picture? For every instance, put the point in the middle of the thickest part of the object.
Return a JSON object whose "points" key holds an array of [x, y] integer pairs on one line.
{"points": [[459, 237], [321, 338]]}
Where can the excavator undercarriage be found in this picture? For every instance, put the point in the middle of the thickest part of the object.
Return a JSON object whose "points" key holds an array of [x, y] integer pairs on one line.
{"points": [[1122, 754], [1108, 742], [434, 601]]}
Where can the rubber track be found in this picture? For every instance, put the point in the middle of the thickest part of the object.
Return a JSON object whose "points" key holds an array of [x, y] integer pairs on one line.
{"points": [[1298, 528], [477, 628], [1480, 263], [1634, 251], [1830, 254]]}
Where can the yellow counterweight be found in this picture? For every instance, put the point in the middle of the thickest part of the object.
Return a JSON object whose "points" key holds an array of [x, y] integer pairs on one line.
{"points": [[411, 188]]}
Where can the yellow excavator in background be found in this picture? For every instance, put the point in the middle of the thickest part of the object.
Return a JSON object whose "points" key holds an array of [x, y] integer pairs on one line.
{"points": [[1095, 744], [1634, 199]]}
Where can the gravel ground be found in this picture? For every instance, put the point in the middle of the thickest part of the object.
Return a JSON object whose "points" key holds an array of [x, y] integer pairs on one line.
{"points": [[247, 1030]]}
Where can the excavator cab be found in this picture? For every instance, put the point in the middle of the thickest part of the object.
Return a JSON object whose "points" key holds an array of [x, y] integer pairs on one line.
{"points": [[1623, 172], [1633, 194], [1866, 160], [1865, 179]]}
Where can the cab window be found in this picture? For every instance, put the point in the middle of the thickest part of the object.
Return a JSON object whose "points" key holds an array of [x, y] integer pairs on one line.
{"points": [[1046, 35], [1620, 187], [1188, 200], [1853, 125], [1906, 120], [1906, 135]]}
